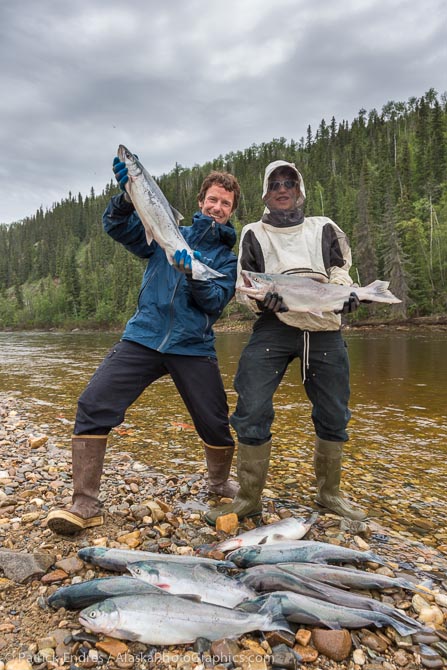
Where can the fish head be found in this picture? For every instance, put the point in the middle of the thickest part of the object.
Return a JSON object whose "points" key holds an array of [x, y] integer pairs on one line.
{"points": [[244, 555], [144, 572], [255, 279], [87, 553], [256, 284], [103, 617], [134, 167]]}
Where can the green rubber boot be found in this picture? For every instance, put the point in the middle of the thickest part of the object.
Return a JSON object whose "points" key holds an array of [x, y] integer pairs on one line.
{"points": [[252, 467], [327, 464]]}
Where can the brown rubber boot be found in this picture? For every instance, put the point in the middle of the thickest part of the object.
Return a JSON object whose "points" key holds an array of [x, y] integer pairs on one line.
{"points": [[327, 464], [87, 460], [252, 468], [218, 460]]}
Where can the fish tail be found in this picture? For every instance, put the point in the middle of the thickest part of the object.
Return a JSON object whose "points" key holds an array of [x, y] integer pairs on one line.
{"points": [[203, 272], [313, 517], [374, 558], [405, 620], [272, 609], [404, 628], [378, 290], [423, 587], [377, 286]]}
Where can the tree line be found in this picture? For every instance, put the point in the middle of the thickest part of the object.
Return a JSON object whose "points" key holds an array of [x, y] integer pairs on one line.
{"points": [[382, 178]]}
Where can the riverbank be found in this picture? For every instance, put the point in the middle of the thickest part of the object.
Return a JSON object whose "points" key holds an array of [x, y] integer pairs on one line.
{"points": [[149, 511], [243, 322], [240, 323]]}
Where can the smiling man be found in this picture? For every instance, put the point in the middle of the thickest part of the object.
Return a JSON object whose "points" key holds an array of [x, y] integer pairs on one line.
{"points": [[170, 333], [285, 241]]}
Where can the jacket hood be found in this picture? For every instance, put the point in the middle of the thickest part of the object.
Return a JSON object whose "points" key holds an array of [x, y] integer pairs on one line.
{"points": [[271, 167]]}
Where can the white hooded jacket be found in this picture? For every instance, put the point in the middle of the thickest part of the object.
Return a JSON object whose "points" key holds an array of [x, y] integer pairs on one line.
{"points": [[309, 246]]}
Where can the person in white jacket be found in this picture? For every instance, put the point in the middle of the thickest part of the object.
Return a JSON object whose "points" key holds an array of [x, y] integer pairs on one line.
{"points": [[285, 241]]}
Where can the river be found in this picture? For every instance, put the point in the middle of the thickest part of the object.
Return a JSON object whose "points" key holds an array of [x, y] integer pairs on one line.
{"points": [[395, 462]]}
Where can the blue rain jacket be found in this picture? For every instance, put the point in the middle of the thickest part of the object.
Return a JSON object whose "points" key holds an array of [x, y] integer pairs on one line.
{"points": [[175, 314]]}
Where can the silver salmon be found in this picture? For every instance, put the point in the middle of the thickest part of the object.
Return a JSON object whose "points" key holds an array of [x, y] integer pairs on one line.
{"points": [[286, 529], [160, 220], [203, 581], [343, 577], [162, 619], [118, 559], [272, 578], [303, 609], [302, 294], [300, 551], [78, 596]]}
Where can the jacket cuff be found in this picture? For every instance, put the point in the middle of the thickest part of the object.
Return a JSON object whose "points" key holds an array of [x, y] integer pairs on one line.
{"points": [[121, 205]]}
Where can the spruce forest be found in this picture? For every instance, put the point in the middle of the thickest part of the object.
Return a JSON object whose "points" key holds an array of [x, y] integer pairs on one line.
{"points": [[381, 178]]}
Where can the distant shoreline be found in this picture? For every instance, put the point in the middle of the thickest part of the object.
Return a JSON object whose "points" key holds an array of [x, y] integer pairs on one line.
{"points": [[244, 325]]}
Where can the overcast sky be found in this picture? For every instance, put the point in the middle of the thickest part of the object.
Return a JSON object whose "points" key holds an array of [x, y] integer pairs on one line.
{"points": [[187, 80]]}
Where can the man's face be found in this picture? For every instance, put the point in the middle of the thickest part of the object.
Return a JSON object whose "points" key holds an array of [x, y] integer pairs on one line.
{"points": [[217, 204], [283, 191]]}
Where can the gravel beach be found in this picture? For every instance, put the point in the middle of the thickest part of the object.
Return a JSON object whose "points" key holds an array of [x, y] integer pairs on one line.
{"points": [[148, 511]]}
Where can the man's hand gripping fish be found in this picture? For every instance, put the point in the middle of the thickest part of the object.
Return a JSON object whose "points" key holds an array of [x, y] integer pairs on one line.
{"points": [[160, 220]]}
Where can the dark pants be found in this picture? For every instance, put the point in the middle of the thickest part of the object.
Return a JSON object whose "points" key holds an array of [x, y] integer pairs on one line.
{"points": [[272, 347], [129, 368]]}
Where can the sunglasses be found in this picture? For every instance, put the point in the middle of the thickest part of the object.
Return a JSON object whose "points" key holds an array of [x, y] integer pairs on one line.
{"points": [[287, 183]]}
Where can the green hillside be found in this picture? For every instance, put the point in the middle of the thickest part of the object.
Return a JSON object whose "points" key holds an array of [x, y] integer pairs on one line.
{"points": [[382, 178]]}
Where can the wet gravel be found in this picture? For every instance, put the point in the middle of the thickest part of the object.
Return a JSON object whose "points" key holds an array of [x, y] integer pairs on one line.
{"points": [[35, 477]]}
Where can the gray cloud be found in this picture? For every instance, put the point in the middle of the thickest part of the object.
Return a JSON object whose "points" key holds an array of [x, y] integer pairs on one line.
{"points": [[185, 82]]}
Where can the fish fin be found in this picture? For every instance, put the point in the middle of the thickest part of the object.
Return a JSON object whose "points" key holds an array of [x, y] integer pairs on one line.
{"points": [[202, 272], [189, 596], [149, 237], [424, 587], [318, 587], [264, 540], [404, 628], [378, 286], [272, 608], [374, 558], [177, 216], [126, 635]]}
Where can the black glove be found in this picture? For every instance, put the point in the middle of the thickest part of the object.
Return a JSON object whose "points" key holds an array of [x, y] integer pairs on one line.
{"points": [[273, 303], [350, 305]]}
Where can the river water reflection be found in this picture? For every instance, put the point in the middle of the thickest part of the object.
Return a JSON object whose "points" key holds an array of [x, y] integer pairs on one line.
{"points": [[395, 460]]}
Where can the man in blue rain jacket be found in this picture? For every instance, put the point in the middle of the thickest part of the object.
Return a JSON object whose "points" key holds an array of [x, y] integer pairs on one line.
{"points": [[170, 334]]}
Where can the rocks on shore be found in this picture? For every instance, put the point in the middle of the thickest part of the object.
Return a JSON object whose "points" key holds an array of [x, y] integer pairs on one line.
{"points": [[148, 511]]}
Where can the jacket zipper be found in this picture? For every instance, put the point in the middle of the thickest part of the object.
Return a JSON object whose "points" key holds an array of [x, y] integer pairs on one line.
{"points": [[148, 279]]}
